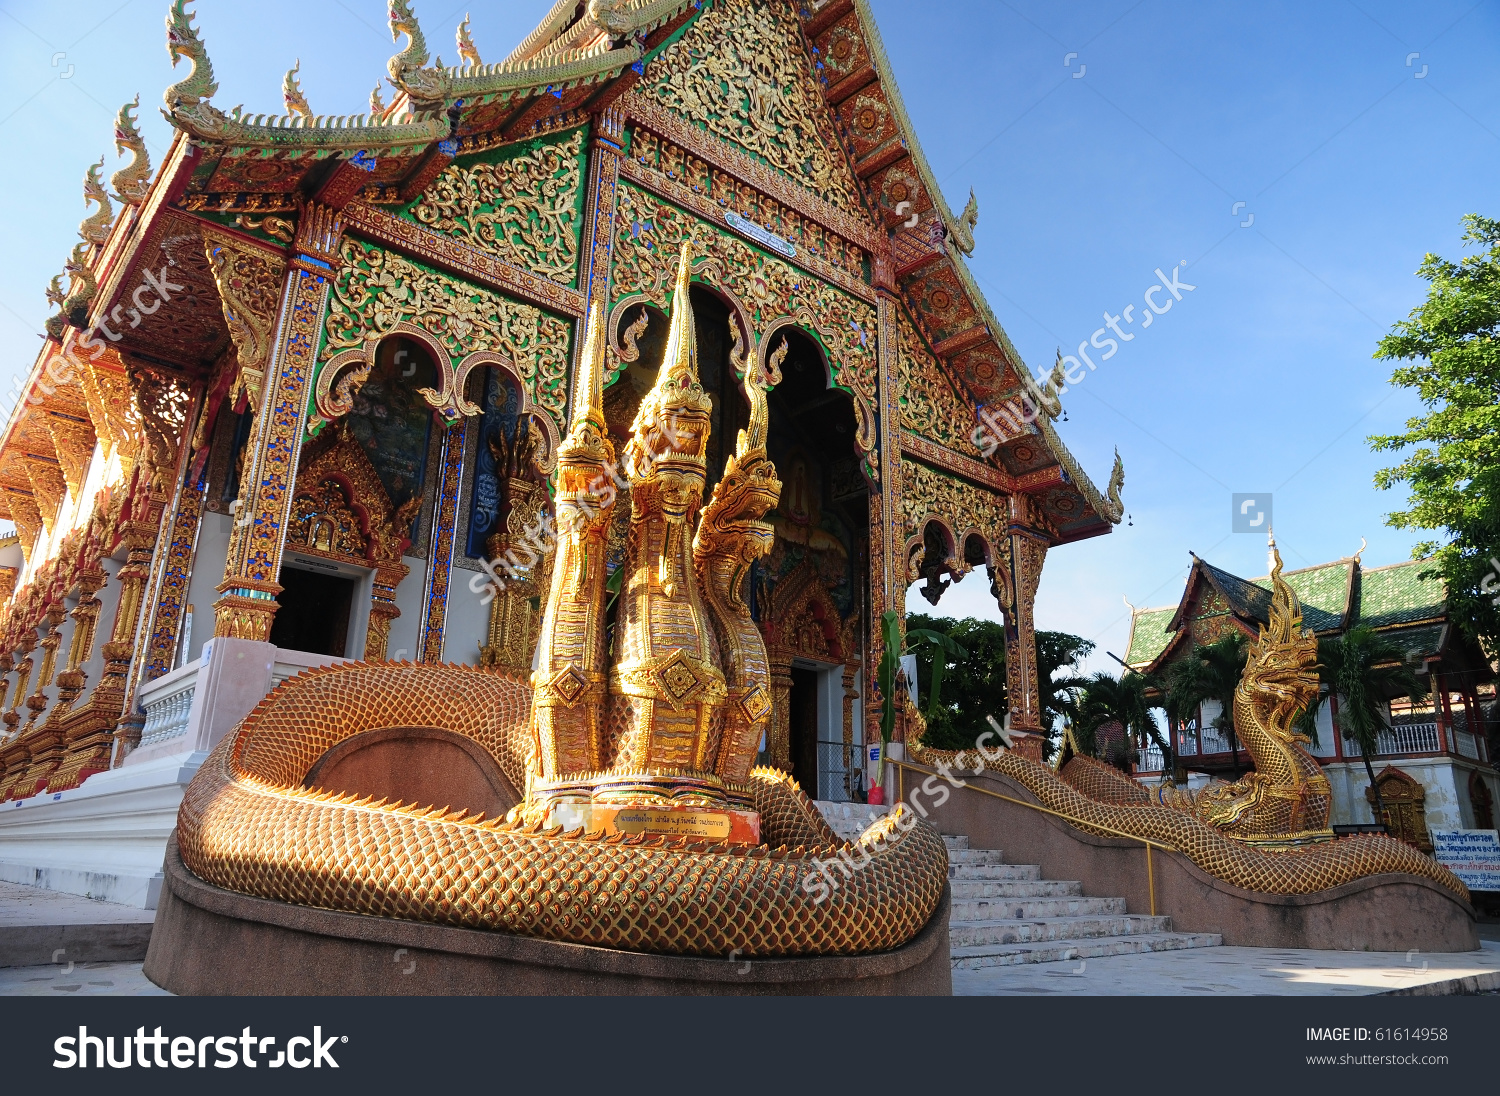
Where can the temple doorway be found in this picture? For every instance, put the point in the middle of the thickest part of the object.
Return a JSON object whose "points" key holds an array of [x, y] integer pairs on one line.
{"points": [[314, 613], [803, 729]]}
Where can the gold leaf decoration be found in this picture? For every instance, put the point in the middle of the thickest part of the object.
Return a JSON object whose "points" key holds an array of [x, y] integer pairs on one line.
{"points": [[377, 289], [929, 404], [927, 494], [524, 210], [742, 73]]}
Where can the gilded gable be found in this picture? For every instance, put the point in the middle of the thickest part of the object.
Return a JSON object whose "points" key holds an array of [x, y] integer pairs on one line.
{"points": [[522, 204], [930, 406], [741, 72]]}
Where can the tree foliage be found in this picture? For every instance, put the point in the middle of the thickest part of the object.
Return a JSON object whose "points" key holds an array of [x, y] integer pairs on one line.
{"points": [[1210, 672], [1108, 699], [973, 684], [1453, 473]]}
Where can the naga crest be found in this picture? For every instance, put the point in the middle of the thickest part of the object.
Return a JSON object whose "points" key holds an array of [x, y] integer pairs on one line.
{"points": [[183, 41], [291, 92], [406, 68], [132, 181], [1116, 484], [95, 227], [467, 51], [962, 232], [1281, 672]]}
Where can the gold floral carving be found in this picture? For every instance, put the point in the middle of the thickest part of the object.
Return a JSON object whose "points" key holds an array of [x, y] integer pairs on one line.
{"points": [[770, 293], [249, 281], [928, 495], [376, 289], [524, 210], [929, 404], [25, 516], [47, 487], [742, 73], [74, 441]]}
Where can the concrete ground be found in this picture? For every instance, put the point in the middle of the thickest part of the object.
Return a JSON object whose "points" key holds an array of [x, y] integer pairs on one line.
{"points": [[42, 926], [80, 980], [1242, 972]]}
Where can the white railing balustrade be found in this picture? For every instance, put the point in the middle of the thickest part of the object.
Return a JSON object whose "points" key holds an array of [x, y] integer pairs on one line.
{"points": [[1150, 760], [1407, 738], [1214, 742], [1467, 747], [167, 702]]}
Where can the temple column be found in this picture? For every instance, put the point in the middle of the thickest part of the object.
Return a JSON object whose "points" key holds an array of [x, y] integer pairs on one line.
{"points": [[1024, 550], [86, 749], [887, 567], [604, 185], [248, 605], [16, 755], [169, 590]]}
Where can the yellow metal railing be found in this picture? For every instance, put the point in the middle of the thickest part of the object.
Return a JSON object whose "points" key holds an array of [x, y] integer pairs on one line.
{"points": [[902, 766]]}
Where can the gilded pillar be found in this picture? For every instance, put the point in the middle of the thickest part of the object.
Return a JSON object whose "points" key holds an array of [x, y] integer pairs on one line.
{"points": [[25, 645], [71, 680], [56, 613], [604, 184], [440, 565], [249, 588], [138, 538], [170, 603], [779, 733], [887, 567], [1023, 553]]}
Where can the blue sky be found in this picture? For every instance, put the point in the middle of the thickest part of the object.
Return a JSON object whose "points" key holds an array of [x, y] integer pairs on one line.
{"points": [[1352, 162]]}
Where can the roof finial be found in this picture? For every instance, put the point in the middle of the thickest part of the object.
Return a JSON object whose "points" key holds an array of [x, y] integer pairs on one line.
{"points": [[183, 41], [1273, 557], [466, 48], [1363, 544], [291, 92]]}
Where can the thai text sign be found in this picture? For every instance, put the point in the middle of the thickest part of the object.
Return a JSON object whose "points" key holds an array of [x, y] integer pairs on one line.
{"points": [[1472, 855]]}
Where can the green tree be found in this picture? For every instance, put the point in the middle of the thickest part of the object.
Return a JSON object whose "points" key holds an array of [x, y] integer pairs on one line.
{"points": [[1364, 669], [1211, 672], [972, 681], [1453, 475], [973, 684], [1124, 700]]}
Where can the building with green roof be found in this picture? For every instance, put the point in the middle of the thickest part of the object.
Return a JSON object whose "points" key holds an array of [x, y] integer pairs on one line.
{"points": [[1436, 755]]}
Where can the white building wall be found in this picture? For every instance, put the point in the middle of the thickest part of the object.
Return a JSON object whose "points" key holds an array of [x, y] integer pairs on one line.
{"points": [[208, 572], [1445, 780], [402, 646]]}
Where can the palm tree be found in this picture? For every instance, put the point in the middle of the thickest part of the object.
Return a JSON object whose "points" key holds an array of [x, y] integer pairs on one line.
{"points": [[1058, 696], [1107, 699], [1212, 672], [1364, 669]]}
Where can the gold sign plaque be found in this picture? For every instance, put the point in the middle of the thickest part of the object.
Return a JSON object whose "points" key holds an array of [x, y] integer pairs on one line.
{"points": [[674, 823]]}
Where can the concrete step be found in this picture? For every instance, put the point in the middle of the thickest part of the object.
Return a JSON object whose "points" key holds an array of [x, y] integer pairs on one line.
{"points": [[993, 871], [975, 856], [993, 909], [955, 842], [1013, 931], [1003, 888], [997, 955]]}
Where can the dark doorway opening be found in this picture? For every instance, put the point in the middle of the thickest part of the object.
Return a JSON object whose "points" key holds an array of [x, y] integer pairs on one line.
{"points": [[314, 613], [803, 730]]}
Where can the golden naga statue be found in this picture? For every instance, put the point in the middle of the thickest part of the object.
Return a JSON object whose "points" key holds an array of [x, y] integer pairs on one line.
{"points": [[1287, 798], [643, 823]]}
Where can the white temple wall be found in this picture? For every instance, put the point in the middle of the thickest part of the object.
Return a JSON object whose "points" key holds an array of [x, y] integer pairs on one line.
{"points": [[208, 572]]}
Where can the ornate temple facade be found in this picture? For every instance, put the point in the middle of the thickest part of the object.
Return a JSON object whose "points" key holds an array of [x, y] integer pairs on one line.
{"points": [[1434, 763], [304, 393]]}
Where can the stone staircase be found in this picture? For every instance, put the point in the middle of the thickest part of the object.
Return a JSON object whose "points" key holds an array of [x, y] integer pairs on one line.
{"points": [[1006, 914]]}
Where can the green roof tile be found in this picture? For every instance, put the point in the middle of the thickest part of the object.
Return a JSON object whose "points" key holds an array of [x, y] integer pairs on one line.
{"points": [[1395, 595], [1148, 634], [1323, 591]]}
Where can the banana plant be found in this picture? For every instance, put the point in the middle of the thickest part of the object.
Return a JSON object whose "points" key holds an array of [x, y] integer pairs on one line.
{"points": [[892, 648]]}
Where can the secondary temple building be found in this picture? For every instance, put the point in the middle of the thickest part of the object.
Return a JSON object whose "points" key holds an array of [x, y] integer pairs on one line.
{"points": [[1433, 762], [302, 397]]}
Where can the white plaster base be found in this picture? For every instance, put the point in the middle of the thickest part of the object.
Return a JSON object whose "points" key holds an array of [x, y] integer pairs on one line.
{"points": [[105, 839]]}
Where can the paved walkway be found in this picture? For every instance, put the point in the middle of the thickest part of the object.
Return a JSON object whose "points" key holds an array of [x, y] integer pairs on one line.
{"points": [[82, 980], [23, 905], [1242, 972]]}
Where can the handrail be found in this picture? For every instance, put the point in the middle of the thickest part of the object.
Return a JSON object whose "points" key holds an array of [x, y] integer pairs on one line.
{"points": [[902, 766]]}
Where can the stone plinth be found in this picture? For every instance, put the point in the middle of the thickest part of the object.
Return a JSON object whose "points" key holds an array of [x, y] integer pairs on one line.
{"points": [[209, 941]]}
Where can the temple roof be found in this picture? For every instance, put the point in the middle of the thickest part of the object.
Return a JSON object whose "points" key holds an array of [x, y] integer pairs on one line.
{"points": [[1396, 600]]}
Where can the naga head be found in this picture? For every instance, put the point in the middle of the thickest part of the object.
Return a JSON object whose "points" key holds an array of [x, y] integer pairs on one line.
{"points": [[95, 228], [669, 438], [183, 41], [1281, 670], [467, 51], [291, 92]]}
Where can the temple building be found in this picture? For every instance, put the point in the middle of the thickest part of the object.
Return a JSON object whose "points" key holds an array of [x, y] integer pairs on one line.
{"points": [[303, 395], [1433, 762]]}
